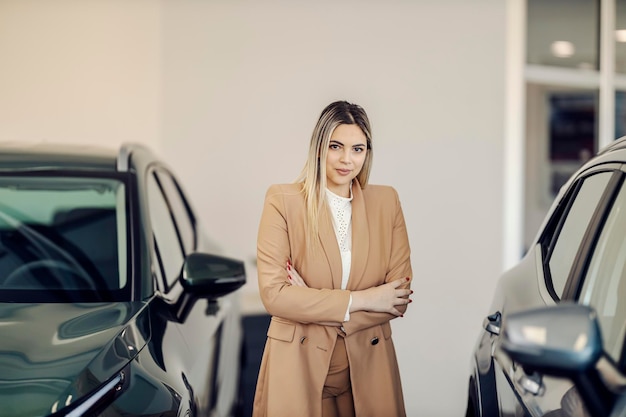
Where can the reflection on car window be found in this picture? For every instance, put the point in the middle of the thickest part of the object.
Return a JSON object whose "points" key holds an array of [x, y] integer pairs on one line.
{"points": [[169, 248], [177, 203], [604, 286], [573, 230], [62, 233]]}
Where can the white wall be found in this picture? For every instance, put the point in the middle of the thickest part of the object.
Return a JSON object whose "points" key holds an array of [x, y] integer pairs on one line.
{"points": [[244, 85], [81, 71], [229, 92]]}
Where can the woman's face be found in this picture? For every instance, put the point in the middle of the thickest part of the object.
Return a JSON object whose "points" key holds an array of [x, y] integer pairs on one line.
{"points": [[346, 154]]}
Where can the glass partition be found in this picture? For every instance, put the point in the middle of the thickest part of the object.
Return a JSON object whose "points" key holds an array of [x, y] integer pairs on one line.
{"points": [[563, 33]]}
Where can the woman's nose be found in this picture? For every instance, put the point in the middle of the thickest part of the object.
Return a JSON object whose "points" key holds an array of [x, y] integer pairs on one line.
{"points": [[345, 157]]}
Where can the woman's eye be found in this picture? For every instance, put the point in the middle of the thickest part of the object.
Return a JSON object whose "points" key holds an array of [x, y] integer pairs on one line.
{"points": [[334, 146], [359, 149]]}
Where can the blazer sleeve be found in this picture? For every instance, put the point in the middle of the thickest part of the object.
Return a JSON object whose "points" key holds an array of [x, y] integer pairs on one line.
{"points": [[304, 305], [399, 268]]}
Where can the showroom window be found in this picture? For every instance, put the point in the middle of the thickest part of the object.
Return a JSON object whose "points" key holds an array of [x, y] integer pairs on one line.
{"points": [[574, 94]]}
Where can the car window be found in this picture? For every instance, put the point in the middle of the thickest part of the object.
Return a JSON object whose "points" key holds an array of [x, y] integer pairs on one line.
{"points": [[169, 247], [604, 285], [63, 234], [572, 231], [179, 207]]}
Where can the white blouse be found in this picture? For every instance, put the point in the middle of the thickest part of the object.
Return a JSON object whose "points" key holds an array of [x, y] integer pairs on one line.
{"points": [[341, 209]]}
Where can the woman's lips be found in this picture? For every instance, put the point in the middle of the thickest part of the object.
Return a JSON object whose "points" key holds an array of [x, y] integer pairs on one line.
{"points": [[344, 171]]}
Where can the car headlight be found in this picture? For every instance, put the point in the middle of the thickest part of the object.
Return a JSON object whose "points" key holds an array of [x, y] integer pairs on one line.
{"points": [[97, 400]]}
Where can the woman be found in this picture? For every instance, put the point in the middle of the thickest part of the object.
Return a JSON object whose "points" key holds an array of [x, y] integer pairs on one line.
{"points": [[334, 268]]}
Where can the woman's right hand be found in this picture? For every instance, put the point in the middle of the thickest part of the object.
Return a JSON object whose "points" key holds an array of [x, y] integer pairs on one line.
{"points": [[383, 298], [294, 277]]}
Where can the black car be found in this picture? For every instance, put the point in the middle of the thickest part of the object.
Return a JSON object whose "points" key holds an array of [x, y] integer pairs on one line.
{"points": [[112, 301], [553, 342]]}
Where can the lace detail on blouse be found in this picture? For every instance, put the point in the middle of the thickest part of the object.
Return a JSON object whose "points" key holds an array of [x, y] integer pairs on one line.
{"points": [[341, 209]]}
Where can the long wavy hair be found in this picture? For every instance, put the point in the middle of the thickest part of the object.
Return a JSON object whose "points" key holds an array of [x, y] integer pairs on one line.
{"points": [[313, 175]]}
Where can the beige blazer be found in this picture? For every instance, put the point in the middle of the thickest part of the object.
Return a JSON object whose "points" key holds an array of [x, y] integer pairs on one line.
{"points": [[298, 350]]}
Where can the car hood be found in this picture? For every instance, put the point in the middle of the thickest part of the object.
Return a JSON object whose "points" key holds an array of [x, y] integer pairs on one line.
{"points": [[49, 351]]}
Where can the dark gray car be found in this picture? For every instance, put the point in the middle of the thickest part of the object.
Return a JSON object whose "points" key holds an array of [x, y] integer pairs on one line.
{"points": [[112, 301], [553, 340]]}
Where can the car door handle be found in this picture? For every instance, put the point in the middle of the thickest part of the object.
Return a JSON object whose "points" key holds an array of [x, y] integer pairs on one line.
{"points": [[532, 384], [493, 322]]}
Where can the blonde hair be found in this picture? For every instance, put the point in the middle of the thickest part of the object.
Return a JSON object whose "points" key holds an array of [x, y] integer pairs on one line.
{"points": [[313, 175]]}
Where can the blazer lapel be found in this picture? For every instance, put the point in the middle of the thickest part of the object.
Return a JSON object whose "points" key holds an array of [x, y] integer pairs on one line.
{"points": [[360, 236], [331, 248]]}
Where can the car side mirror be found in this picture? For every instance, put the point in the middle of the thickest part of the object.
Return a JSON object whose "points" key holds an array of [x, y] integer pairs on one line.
{"points": [[207, 276], [562, 340], [212, 276]]}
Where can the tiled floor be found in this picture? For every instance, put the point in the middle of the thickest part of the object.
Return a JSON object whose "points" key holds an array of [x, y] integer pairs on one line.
{"points": [[255, 330]]}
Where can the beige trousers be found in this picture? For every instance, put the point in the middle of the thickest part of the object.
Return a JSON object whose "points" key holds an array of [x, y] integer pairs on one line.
{"points": [[337, 393]]}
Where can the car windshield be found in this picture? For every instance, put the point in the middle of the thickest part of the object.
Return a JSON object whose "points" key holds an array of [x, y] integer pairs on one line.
{"points": [[62, 238]]}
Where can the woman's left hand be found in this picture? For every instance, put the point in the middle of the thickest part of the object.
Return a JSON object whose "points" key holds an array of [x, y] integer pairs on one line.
{"points": [[294, 276]]}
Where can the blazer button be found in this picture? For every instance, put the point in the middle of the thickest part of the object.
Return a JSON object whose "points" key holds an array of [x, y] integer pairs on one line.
{"points": [[302, 340], [374, 340]]}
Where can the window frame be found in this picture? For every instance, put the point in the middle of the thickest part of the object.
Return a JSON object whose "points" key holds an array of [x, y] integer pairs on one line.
{"points": [[590, 239], [153, 174], [162, 172], [550, 235]]}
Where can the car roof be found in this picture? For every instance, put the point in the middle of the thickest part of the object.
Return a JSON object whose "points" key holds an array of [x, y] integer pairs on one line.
{"points": [[616, 145], [37, 156]]}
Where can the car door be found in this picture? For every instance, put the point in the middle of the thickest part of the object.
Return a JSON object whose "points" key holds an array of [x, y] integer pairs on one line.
{"points": [[200, 331], [601, 282], [603, 279], [561, 251]]}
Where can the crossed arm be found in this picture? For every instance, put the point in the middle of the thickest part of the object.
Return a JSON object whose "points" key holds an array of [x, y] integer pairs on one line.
{"points": [[383, 298], [285, 293]]}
